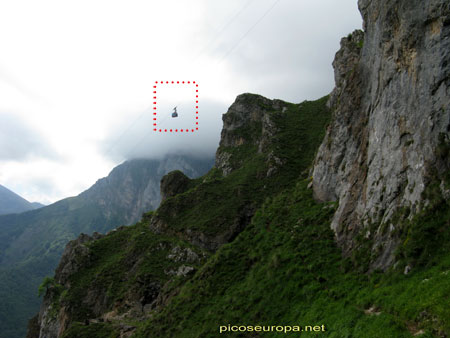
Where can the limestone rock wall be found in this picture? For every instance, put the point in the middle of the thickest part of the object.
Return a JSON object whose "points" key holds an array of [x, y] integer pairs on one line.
{"points": [[391, 109]]}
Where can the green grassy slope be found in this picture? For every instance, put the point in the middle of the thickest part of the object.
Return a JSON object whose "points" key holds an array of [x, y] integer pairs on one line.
{"points": [[215, 202], [31, 243], [23, 266], [107, 269], [283, 268], [211, 204]]}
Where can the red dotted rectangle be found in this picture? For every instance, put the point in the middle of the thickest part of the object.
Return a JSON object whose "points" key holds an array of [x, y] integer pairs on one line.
{"points": [[170, 130]]}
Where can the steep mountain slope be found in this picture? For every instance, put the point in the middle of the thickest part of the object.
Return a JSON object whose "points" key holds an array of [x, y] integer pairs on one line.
{"points": [[390, 133], [283, 235], [266, 145], [31, 243], [37, 205], [11, 203]]}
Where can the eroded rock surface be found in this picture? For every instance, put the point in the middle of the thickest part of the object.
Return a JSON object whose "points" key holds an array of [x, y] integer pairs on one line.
{"points": [[247, 121], [391, 110]]}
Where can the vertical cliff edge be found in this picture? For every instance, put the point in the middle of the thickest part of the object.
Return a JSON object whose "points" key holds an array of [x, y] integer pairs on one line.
{"points": [[391, 121]]}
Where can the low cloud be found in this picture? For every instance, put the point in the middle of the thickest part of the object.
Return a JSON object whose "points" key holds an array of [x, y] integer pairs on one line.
{"points": [[138, 140], [82, 101], [289, 53], [19, 141]]}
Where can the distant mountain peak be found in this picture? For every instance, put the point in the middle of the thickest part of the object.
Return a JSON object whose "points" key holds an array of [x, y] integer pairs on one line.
{"points": [[31, 243], [12, 203]]}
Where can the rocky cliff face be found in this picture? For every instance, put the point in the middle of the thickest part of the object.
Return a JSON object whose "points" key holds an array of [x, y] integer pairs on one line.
{"points": [[247, 122], [126, 293], [248, 131], [135, 185], [391, 121], [70, 263]]}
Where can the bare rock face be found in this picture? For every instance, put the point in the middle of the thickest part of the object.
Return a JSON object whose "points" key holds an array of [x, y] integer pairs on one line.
{"points": [[247, 122], [52, 319], [70, 259], [134, 187], [391, 110]]}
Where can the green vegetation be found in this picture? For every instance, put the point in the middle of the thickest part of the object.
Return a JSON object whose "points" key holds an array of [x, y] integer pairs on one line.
{"points": [[216, 201], [18, 294], [285, 269], [44, 233], [110, 260], [97, 330], [47, 283], [426, 237], [31, 243], [283, 266]]}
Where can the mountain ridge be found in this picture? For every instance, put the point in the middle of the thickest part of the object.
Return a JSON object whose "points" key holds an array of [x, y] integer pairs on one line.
{"points": [[12, 203], [31, 243], [196, 219]]}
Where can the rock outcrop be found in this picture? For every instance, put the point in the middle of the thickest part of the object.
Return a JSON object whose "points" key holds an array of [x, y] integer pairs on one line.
{"points": [[247, 122], [135, 184], [95, 302], [248, 130], [173, 183], [52, 319], [391, 110]]}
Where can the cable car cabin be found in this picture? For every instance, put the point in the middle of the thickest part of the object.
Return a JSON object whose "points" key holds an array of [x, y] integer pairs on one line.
{"points": [[174, 114]]}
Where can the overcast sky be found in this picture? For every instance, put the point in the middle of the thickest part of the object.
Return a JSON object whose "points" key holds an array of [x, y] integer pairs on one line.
{"points": [[77, 77]]}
